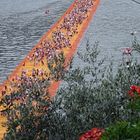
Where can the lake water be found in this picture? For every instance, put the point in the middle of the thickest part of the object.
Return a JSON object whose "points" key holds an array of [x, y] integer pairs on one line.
{"points": [[111, 26], [23, 22]]}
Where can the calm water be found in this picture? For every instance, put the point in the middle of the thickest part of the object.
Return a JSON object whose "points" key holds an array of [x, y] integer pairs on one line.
{"points": [[111, 26], [22, 23]]}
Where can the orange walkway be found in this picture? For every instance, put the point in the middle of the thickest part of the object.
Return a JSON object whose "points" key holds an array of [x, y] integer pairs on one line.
{"points": [[68, 53]]}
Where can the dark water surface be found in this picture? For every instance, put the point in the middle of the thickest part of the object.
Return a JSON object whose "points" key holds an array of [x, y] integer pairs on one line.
{"points": [[22, 23], [111, 26]]}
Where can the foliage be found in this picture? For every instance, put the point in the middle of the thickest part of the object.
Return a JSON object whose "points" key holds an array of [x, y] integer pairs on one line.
{"points": [[130, 129], [136, 45], [93, 96], [26, 112], [26, 107], [57, 67], [123, 131]]}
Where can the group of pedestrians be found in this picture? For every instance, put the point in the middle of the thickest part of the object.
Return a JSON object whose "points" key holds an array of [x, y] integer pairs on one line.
{"points": [[60, 38], [64, 33]]}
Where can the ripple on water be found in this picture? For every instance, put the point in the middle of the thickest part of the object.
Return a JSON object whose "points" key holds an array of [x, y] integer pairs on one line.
{"points": [[111, 26], [21, 30]]}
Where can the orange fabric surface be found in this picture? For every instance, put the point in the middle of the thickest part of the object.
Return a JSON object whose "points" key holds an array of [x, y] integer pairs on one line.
{"points": [[68, 53], [76, 42]]}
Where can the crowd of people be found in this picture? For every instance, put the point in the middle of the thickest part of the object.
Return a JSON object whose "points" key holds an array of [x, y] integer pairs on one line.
{"points": [[61, 37]]}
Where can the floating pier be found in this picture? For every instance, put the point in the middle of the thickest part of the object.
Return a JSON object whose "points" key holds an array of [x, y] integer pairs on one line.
{"points": [[36, 59]]}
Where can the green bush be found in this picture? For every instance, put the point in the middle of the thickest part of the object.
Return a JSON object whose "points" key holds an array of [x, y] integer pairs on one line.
{"points": [[123, 131], [130, 129], [92, 96], [26, 108], [26, 112]]}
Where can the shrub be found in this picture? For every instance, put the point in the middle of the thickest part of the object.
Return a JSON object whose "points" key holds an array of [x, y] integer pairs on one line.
{"points": [[25, 112], [26, 107], [123, 131], [93, 96], [126, 130]]}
